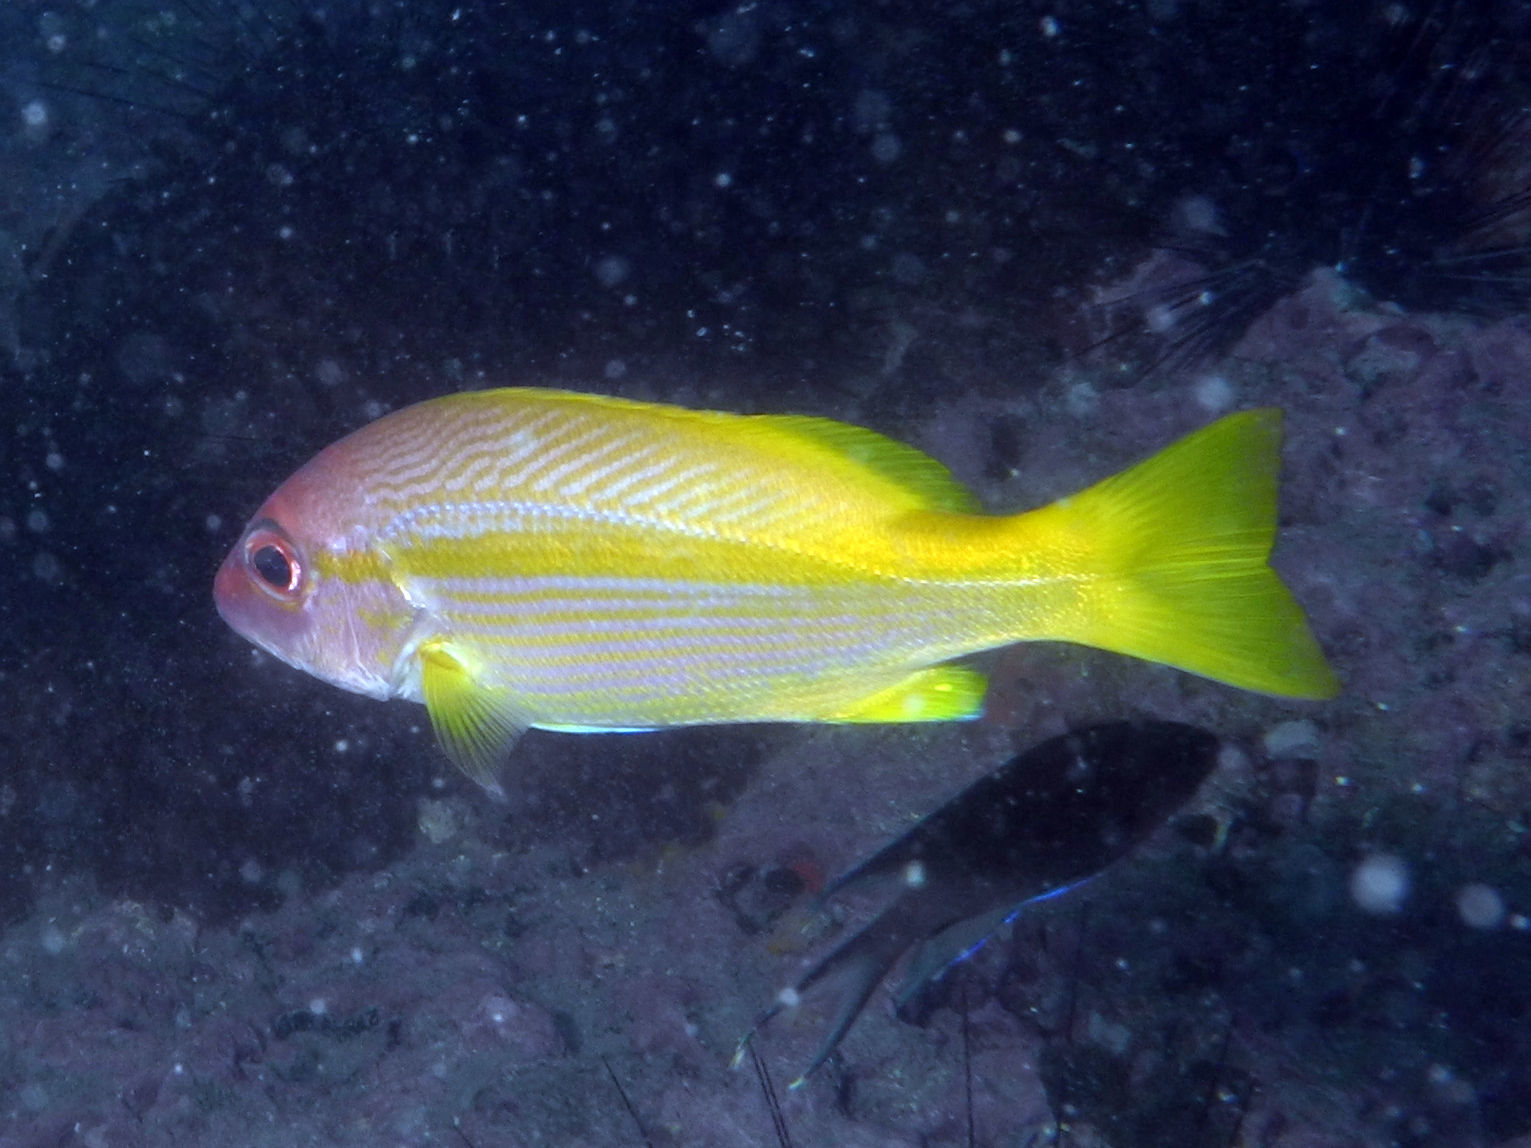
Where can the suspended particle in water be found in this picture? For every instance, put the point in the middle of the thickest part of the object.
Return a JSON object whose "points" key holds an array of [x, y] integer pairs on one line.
{"points": [[1380, 884], [1480, 906]]}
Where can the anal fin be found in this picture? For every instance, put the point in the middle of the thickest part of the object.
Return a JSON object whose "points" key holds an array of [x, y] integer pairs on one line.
{"points": [[936, 693]]}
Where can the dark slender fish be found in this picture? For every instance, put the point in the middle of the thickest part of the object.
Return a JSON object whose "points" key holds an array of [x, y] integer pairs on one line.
{"points": [[1040, 825]]}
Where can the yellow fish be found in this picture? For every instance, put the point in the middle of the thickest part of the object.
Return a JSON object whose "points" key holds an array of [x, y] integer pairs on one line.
{"points": [[527, 557]]}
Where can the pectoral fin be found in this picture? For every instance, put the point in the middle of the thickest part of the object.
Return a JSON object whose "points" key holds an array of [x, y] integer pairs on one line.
{"points": [[475, 724]]}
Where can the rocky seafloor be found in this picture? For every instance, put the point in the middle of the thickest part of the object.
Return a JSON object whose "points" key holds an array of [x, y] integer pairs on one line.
{"points": [[1329, 949]]}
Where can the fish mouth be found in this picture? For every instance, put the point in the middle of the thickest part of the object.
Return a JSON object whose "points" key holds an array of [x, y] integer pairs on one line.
{"points": [[228, 590]]}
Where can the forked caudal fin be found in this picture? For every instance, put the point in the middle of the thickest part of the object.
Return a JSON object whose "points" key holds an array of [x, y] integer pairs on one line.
{"points": [[1177, 568]]}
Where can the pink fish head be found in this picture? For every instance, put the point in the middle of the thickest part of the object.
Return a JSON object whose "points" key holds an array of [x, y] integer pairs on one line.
{"points": [[304, 583]]}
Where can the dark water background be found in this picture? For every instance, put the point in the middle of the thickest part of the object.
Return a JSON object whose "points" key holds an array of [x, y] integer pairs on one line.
{"points": [[1015, 234]]}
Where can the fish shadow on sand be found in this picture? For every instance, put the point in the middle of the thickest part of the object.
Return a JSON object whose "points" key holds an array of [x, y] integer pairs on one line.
{"points": [[1041, 825]]}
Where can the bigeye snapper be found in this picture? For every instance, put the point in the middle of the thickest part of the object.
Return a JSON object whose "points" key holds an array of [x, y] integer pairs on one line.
{"points": [[525, 557]]}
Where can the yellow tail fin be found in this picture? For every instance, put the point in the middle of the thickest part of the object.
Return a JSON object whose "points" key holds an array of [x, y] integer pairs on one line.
{"points": [[1179, 546]]}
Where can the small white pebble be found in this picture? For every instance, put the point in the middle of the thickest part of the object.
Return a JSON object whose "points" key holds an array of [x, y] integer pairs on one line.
{"points": [[1231, 759], [1291, 739]]}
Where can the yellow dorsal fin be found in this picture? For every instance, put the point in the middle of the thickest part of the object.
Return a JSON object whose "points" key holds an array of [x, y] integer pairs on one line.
{"points": [[911, 469], [937, 693], [475, 725]]}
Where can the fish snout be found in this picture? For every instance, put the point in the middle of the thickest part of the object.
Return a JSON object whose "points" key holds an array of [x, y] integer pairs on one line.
{"points": [[260, 591]]}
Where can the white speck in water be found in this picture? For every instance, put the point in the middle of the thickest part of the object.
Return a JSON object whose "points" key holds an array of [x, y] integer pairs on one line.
{"points": [[330, 373], [610, 270], [1081, 400], [1214, 394], [1480, 906], [907, 268], [1380, 884], [1160, 319], [1197, 214]]}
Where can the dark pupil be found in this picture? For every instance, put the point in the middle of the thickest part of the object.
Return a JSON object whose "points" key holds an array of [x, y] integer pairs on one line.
{"points": [[272, 565]]}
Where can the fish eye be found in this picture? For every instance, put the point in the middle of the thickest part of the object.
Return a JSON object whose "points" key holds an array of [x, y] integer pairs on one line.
{"points": [[271, 563], [274, 559]]}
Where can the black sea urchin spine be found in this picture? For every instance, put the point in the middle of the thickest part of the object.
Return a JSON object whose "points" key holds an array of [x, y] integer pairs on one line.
{"points": [[1385, 142]]}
